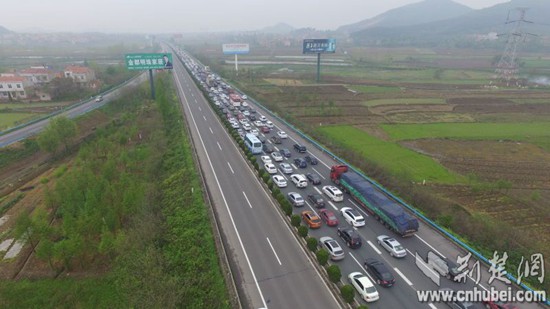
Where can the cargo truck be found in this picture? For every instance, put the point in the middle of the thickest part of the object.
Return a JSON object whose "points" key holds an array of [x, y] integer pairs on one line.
{"points": [[382, 207]]}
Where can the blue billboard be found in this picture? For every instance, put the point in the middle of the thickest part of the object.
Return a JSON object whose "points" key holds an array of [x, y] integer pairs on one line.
{"points": [[319, 46]]}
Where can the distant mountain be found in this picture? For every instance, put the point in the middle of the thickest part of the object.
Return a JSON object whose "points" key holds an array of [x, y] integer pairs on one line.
{"points": [[4, 30], [474, 23], [280, 28], [411, 14]]}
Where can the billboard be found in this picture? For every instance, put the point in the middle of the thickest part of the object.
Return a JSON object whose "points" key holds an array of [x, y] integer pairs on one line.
{"points": [[148, 61], [319, 46], [235, 48]]}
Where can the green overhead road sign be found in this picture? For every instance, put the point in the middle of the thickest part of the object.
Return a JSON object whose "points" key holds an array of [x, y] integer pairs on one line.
{"points": [[148, 61]]}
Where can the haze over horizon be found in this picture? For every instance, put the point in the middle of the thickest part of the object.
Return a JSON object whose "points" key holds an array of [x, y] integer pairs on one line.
{"points": [[172, 16]]}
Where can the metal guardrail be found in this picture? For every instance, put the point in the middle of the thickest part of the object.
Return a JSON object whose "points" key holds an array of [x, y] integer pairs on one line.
{"points": [[400, 201], [68, 107]]}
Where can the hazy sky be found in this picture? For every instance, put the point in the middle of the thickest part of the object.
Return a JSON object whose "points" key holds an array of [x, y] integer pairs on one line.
{"points": [[139, 16]]}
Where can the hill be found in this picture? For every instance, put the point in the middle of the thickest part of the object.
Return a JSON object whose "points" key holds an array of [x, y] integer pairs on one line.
{"points": [[412, 14], [4, 30]]}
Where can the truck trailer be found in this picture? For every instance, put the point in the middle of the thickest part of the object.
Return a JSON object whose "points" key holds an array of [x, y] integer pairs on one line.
{"points": [[378, 204]]}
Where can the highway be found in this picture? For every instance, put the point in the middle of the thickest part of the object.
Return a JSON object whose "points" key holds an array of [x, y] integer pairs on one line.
{"points": [[409, 278], [35, 128], [272, 268]]}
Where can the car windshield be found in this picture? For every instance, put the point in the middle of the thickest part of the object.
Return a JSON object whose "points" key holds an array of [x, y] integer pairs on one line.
{"points": [[360, 219], [371, 290], [331, 217], [399, 248], [386, 276]]}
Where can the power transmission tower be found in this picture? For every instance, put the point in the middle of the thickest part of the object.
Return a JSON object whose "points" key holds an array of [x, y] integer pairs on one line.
{"points": [[507, 67]]}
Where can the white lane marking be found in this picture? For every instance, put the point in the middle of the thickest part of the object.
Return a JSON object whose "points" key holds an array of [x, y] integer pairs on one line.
{"points": [[276, 149], [200, 109], [284, 176], [308, 205], [211, 130], [219, 145], [230, 168], [223, 197], [274, 252], [204, 117], [246, 198], [402, 276], [432, 306], [374, 247], [331, 204], [427, 244], [316, 171], [294, 166], [317, 189]]}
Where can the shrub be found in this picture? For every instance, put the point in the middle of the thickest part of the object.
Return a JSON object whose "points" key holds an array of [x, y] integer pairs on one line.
{"points": [[303, 230], [334, 273], [270, 184], [363, 307], [312, 243], [295, 220], [275, 191], [348, 293], [265, 177], [256, 166], [44, 180], [322, 256], [287, 209], [253, 159]]}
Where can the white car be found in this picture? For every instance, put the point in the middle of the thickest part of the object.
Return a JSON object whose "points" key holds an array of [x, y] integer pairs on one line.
{"points": [[244, 103], [262, 118], [235, 125], [255, 132], [333, 247], [282, 134], [286, 168], [299, 180], [393, 246], [244, 97], [333, 193], [269, 124], [247, 126], [364, 286], [99, 98], [352, 217], [266, 159], [270, 168], [246, 113], [277, 156], [296, 199], [279, 181], [243, 121], [258, 123]]}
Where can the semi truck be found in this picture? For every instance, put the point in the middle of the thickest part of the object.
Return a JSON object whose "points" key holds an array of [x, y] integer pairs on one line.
{"points": [[378, 204]]}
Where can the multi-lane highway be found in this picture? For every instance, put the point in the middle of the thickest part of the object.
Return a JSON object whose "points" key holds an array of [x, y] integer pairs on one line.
{"points": [[273, 270], [249, 215]]}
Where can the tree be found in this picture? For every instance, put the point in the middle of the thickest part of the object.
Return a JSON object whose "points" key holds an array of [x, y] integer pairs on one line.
{"points": [[48, 140], [322, 256], [334, 273], [348, 293], [60, 130]]}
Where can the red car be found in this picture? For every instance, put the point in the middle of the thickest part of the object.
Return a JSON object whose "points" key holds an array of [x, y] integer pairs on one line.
{"points": [[329, 217], [498, 305], [265, 129]]}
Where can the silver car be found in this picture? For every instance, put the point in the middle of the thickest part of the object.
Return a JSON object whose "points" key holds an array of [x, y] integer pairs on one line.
{"points": [[392, 246], [286, 168], [333, 247]]}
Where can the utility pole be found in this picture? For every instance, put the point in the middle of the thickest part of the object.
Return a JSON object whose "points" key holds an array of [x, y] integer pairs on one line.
{"points": [[507, 67]]}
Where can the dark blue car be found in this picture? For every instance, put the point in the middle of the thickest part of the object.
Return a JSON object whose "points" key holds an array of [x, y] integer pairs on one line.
{"points": [[300, 162]]}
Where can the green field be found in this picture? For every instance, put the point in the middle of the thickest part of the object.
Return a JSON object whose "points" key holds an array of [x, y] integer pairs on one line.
{"points": [[373, 89], [403, 101], [398, 160], [8, 120], [469, 131]]}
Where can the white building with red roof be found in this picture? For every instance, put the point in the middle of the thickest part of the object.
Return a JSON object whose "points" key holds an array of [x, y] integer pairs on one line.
{"points": [[38, 75], [12, 88], [80, 75]]}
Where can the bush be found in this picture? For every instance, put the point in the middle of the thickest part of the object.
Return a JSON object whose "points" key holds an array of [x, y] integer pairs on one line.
{"points": [[287, 209], [322, 256], [334, 273], [266, 177], [303, 230], [256, 166], [312, 244], [44, 180], [253, 159], [363, 307], [270, 184], [295, 220], [275, 191], [348, 293]]}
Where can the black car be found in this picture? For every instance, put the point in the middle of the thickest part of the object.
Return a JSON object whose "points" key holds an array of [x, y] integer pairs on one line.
{"points": [[314, 178], [317, 200], [300, 148], [311, 160], [267, 148], [252, 118], [252, 111], [379, 270], [275, 139], [300, 162], [350, 237], [285, 152], [262, 138]]}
